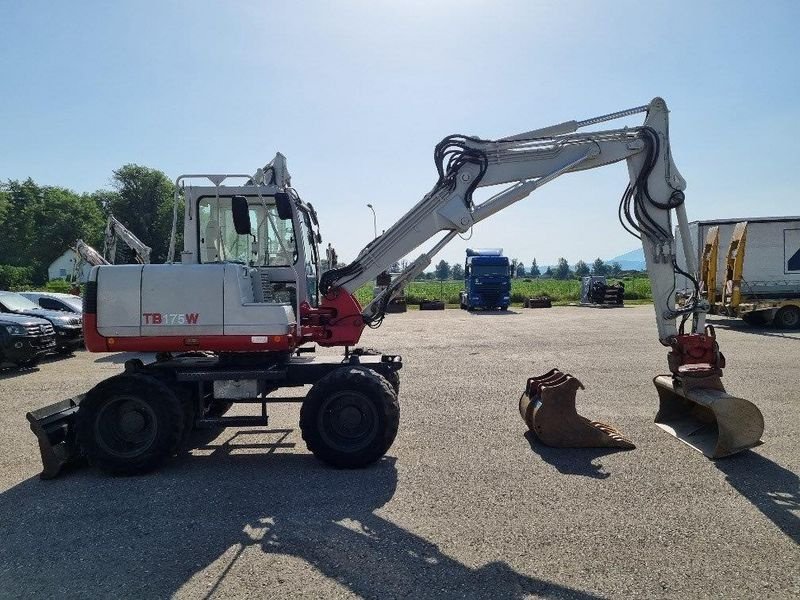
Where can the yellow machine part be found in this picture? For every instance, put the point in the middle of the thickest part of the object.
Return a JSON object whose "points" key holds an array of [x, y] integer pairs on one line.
{"points": [[708, 264], [734, 265]]}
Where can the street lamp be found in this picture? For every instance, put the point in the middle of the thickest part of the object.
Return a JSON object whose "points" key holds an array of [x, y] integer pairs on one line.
{"points": [[374, 220]]}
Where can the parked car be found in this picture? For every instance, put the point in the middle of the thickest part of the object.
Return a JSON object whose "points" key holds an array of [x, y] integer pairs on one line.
{"points": [[69, 333], [55, 301], [24, 340]]}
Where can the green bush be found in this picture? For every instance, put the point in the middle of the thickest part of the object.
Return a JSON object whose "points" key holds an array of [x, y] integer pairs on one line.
{"points": [[15, 278], [58, 285]]}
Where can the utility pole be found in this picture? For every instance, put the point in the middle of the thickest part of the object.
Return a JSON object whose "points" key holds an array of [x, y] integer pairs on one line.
{"points": [[374, 221]]}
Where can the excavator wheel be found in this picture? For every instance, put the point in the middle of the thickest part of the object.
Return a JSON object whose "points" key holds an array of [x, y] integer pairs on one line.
{"points": [[350, 417], [130, 424]]}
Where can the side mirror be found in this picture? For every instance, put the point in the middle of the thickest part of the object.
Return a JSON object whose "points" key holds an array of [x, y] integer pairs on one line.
{"points": [[284, 205], [241, 215]]}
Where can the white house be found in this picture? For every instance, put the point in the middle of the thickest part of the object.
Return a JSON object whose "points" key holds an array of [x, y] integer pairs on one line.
{"points": [[62, 267]]}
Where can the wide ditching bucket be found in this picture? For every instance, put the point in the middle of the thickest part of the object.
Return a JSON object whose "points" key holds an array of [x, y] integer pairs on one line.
{"points": [[699, 412], [548, 408]]}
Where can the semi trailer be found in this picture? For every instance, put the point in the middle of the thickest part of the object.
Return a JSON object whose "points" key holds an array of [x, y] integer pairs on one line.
{"points": [[750, 268]]}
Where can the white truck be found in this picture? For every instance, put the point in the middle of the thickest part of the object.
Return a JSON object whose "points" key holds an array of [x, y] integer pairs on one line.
{"points": [[769, 281]]}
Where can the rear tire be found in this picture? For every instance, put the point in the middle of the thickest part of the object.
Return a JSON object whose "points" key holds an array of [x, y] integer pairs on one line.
{"points": [[130, 424], [350, 417], [788, 317]]}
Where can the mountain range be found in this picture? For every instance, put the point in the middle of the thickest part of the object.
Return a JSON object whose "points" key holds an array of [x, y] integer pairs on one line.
{"points": [[630, 261]]}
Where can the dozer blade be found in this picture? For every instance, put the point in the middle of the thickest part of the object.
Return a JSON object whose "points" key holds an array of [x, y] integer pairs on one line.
{"points": [[548, 408], [700, 413], [54, 427]]}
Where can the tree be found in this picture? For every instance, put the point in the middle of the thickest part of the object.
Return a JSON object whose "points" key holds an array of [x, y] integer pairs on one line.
{"points": [[599, 267], [535, 269], [520, 270], [442, 270], [514, 263], [616, 269], [457, 271], [38, 223], [581, 269], [143, 203], [562, 269], [548, 274]]}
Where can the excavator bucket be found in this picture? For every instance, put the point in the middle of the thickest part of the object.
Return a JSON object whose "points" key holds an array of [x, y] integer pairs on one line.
{"points": [[54, 427], [548, 408], [699, 412]]}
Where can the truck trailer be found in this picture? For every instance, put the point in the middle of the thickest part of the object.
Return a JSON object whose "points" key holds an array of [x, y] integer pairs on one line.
{"points": [[765, 286]]}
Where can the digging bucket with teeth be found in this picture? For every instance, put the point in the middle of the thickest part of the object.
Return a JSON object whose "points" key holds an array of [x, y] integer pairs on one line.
{"points": [[548, 408]]}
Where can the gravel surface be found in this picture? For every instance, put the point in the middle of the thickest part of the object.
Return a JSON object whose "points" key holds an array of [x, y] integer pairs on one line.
{"points": [[463, 506]]}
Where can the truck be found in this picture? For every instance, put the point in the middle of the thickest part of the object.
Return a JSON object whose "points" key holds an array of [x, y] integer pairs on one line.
{"points": [[759, 275], [487, 280]]}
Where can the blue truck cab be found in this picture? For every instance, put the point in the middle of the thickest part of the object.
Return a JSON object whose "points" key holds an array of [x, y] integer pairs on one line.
{"points": [[487, 280]]}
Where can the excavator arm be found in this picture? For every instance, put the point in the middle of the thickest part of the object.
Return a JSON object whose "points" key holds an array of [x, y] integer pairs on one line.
{"points": [[116, 230], [694, 405], [524, 163]]}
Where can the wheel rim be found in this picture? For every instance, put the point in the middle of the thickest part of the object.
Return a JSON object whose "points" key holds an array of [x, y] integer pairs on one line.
{"points": [[348, 421], [790, 318], [126, 426]]}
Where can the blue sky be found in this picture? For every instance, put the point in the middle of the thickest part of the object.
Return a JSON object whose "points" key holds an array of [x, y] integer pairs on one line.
{"points": [[357, 94]]}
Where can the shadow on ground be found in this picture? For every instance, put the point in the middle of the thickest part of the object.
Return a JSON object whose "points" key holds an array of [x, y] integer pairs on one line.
{"points": [[11, 371], [121, 357], [493, 313], [773, 490], [739, 325], [87, 535], [573, 461]]}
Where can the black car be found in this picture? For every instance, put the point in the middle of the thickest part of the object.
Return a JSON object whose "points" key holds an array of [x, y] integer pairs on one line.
{"points": [[24, 340], [69, 333]]}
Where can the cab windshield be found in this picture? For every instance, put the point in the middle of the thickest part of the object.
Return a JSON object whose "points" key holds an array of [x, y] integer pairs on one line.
{"points": [[274, 238], [484, 270]]}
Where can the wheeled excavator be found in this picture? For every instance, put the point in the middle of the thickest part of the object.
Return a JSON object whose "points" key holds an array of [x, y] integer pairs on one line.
{"points": [[114, 231], [235, 319]]}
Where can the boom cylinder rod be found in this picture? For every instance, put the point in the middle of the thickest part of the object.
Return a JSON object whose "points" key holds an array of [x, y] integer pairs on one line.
{"points": [[518, 192]]}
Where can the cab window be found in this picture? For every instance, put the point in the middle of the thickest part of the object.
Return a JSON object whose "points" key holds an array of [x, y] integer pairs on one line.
{"points": [[219, 242]]}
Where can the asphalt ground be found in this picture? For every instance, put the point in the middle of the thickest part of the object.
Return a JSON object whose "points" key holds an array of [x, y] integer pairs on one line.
{"points": [[464, 505]]}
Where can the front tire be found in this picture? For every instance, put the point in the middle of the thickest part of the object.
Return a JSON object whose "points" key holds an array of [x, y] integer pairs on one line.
{"points": [[130, 424], [350, 417]]}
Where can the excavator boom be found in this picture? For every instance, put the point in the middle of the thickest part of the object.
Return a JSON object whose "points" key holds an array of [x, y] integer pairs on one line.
{"points": [[655, 192]]}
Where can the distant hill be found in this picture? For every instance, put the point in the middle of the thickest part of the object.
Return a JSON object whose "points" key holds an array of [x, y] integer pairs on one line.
{"points": [[630, 261]]}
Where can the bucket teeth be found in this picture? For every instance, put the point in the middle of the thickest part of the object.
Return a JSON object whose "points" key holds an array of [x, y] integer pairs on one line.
{"points": [[548, 408]]}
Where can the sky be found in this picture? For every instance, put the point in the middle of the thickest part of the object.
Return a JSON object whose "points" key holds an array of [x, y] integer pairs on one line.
{"points": [[356, 94]]}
